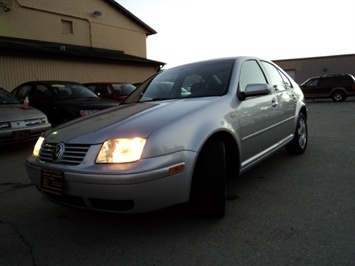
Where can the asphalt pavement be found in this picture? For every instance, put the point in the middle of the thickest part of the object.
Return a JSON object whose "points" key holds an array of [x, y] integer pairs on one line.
{"points": [[289, 210]]}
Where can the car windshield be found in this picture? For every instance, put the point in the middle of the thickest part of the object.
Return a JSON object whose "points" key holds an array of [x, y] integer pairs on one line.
{"points": [[7, 98], [72, 91], [123, 89], [196, 80]]}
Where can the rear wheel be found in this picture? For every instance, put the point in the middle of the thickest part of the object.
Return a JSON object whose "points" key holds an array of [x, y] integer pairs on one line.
{"points": [[208, 191], [299, 142], [338, 96]]}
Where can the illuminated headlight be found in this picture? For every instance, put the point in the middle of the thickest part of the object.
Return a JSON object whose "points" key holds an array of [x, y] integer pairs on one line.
{"points": [[87, 112], [38, 146], [121, 150]]}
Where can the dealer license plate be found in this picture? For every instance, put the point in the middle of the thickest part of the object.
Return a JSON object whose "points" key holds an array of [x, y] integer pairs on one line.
{"points": [[52, 181]]}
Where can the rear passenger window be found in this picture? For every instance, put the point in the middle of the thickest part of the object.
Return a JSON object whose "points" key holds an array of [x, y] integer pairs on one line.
{"points": [[286, 80], [326, 82], [277, 79]]}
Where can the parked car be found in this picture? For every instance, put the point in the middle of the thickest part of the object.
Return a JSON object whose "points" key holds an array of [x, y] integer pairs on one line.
{"points": [[61, 101], [338, 87], [175, 139], [112, 90], [18, 123]]}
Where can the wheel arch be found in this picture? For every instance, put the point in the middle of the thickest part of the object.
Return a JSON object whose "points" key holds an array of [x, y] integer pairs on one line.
{"points": [[303, 110], [338, 89], [232, 151]]}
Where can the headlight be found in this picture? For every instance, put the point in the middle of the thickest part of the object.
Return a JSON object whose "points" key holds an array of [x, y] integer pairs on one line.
{"points": [[87, 112], [5, 125], [121, 150], [38, 146]]}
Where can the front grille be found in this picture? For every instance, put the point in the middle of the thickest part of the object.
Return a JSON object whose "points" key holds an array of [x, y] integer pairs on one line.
{"points": [[112, 205], [73, 153]]}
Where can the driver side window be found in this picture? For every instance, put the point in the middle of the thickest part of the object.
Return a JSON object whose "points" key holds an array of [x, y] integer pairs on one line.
{"points": [[40, 92], [312, 83], [22, 92], [251, 73]]}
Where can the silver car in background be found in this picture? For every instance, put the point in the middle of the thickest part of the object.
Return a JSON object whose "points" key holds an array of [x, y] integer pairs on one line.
{"points": [[17, 123], [175, 139]]}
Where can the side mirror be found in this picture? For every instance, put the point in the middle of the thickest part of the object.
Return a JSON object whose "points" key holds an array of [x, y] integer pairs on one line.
{"points": [[257, 89]]}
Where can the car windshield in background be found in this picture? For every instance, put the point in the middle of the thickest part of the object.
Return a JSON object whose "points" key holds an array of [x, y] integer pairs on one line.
{"points": [[123, 89], [72, 91], [7, 98], [194, 80]]}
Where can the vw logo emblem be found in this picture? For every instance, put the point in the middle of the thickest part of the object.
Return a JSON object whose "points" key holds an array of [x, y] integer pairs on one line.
{"points": [[58, 151]]}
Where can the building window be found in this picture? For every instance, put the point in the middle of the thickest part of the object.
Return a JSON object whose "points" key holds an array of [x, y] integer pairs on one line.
{"points": [[67, 27]]}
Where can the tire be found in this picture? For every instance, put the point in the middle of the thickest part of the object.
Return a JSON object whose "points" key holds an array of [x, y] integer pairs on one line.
{"points": [[338, 96], [299, 142], [208, 190]]}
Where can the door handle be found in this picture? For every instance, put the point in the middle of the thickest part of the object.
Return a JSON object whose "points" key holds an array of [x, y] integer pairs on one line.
{"points": [[293, 96], [274, 102]]}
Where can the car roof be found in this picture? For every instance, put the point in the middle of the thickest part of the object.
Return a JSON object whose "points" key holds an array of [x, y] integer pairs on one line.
{"points": [[51, 82], [331, 75], [221, 59], [101, 83]]}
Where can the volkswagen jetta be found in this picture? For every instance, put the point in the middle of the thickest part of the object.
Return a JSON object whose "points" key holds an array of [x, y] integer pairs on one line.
{"points": [[175, 139]]}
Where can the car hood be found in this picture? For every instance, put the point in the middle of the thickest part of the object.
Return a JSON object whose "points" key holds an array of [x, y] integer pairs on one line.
{"points": [[15, 112], [125, 121]]}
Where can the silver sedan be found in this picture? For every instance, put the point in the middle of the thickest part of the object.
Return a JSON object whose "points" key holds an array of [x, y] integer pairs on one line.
{"points": [[175, 139], [18, 122]]}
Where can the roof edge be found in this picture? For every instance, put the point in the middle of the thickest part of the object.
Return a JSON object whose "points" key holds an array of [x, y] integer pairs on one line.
{"points": [[150, 30], [29, 47], [313, 57]]}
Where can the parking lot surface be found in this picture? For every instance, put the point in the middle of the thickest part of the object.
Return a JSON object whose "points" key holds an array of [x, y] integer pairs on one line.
{"points": [[289, 210]]}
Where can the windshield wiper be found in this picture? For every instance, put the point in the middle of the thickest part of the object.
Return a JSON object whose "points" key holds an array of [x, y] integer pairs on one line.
{"points": [[155, 100]]}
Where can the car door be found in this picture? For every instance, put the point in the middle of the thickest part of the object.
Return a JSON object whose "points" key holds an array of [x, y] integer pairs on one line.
{"points": [[286, 99], [41, 97], [325, 86], [310, 88], [258, 116]]}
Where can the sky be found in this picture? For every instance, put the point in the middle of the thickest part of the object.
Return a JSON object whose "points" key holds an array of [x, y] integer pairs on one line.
{"points": [[194, 30]]}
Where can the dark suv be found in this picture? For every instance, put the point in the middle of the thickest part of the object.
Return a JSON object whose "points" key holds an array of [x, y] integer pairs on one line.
{"points": [[338, 87]]}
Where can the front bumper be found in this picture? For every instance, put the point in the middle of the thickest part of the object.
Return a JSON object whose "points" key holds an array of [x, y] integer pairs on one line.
{"points": [[100, 187], [14, 135]]}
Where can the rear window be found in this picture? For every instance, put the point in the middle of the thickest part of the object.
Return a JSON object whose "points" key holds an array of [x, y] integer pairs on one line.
{"points": [[72, 91], [7, 98], [344, 81]]}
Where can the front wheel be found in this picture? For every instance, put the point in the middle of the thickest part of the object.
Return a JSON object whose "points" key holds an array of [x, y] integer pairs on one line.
{"points": [[299, 142], [208, 190]]}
